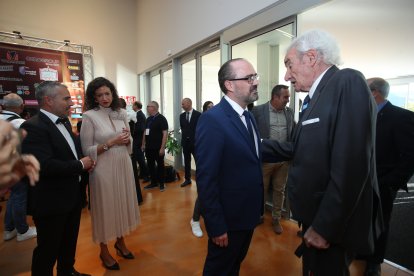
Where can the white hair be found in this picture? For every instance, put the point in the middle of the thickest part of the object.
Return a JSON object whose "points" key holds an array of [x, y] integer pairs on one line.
{"points": [[322, 42]]}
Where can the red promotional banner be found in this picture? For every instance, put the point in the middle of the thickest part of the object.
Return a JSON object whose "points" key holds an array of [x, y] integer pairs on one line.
{"points": [[22, 68]]}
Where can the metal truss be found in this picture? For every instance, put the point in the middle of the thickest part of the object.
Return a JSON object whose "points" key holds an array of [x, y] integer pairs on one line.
{"points": [[17, 38]]}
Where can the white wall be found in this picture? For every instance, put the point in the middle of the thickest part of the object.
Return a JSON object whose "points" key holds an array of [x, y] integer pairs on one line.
{"points": [[108, 26], [164, 26], [375, 36]]}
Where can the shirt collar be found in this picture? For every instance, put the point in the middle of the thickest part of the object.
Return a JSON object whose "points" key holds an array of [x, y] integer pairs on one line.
{"points": [[235, 106], [316, 83], [51, 116]]}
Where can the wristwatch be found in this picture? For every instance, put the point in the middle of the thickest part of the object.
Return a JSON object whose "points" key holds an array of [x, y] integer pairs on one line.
{"points": [[105, 147]]}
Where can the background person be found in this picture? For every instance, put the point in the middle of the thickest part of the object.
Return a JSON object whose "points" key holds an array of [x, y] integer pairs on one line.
{"points": [[332, 180], [138, 133], [275, 121], [195, 221], [15, 223], [105, 138], [153, 142], [56, 198], [230, 193], [394, 159], [188, 124]]}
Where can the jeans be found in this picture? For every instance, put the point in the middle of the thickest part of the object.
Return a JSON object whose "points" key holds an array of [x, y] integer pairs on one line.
{"points": [[15, 216]]}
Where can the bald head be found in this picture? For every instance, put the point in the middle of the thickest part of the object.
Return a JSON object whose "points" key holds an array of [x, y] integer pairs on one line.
{"points": [[187, 104], [13, 102]]}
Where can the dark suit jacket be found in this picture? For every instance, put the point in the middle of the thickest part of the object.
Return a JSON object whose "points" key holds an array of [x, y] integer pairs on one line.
{"points": [[188, 128], [332, 178], [58, 189], [229, 172], [139, 128], [395, 147]]}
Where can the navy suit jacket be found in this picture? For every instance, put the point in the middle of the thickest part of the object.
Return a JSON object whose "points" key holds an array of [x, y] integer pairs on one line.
{"points": [[58, 190], [395, 147], [229, 173], [332, 179], [188, 128]]}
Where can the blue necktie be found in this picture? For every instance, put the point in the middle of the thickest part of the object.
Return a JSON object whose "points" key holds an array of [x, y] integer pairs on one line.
{"points": [[249, 127], [304, 105]]}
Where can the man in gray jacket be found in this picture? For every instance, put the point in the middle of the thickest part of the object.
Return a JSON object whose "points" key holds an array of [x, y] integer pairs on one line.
{"points": [[275, 121]]}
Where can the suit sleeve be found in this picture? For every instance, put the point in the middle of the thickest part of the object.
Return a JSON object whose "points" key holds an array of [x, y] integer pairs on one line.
{"points": [[38, 142], [284, 151], [209, 149], [87, 135], [351, 156]]}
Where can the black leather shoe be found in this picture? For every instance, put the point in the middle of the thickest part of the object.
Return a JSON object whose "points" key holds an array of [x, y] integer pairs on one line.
{"points": [[128, 256], [185, 183], [73, 273], [372, 269], [115, 266]]}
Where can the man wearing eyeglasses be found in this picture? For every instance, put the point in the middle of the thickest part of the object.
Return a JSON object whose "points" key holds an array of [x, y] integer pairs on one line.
{"points": [[332, 181], [229, 174]]}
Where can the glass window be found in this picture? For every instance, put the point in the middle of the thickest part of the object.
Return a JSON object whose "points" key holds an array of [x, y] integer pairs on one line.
{"points": [[155, 89], [266, 53], [142, 92], [210, 89], [189, 80], [168, 110]]}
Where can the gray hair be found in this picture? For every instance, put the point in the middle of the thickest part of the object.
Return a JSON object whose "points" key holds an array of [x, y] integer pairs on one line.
{"points": [[47, 88], [12, 100], [157, 106], [322, 42], [380, 85]]}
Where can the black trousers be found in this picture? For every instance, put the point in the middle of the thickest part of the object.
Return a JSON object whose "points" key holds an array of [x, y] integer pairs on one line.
{"points": [[325, 262], [226, 261], [56, 241], [140, 158], [136, 177], [197, 211], [188, 150], [157, 175]]}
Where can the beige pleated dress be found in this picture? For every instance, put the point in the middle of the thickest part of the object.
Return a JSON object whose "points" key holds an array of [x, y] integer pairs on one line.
{"points": [[113, 198]]}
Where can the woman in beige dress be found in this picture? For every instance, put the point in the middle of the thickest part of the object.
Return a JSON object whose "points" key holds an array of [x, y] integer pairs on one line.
{"points": [[106, 139]]}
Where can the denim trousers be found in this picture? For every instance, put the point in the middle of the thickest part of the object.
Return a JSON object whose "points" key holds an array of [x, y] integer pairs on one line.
{"points": [[16, 208]]}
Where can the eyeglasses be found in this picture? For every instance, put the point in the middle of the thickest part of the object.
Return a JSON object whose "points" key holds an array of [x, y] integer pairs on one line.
{"points": [[250, 79]]}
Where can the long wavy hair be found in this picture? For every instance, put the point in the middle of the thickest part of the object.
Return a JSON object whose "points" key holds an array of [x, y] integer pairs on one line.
{"points": [[94, 85]]}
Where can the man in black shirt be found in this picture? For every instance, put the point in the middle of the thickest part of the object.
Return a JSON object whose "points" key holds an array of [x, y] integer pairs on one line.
{"points": [[153, 142]]}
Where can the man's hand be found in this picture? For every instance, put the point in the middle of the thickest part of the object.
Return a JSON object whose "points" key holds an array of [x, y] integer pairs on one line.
{"points": [[88, 163], [221, 241], [313, 239]]}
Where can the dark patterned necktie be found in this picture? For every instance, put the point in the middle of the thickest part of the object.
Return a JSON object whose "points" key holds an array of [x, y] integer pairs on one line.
{"points": [[249, 125], [187, 116], [304, 105]]}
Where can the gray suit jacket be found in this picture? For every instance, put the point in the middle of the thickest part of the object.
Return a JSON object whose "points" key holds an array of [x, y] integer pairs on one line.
{"points": [[261, 114]]}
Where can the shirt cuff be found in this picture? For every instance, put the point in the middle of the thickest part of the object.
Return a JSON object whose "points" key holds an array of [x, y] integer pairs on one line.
{"points": [[83, 167]]}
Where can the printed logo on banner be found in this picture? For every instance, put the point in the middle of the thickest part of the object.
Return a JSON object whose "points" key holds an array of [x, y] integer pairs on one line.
{"points": [[23, 89], [24, 70], [47, 61], [72, 61], [74, 77], [48, 74], [6, 68], [12, 55], [72, 67]]}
